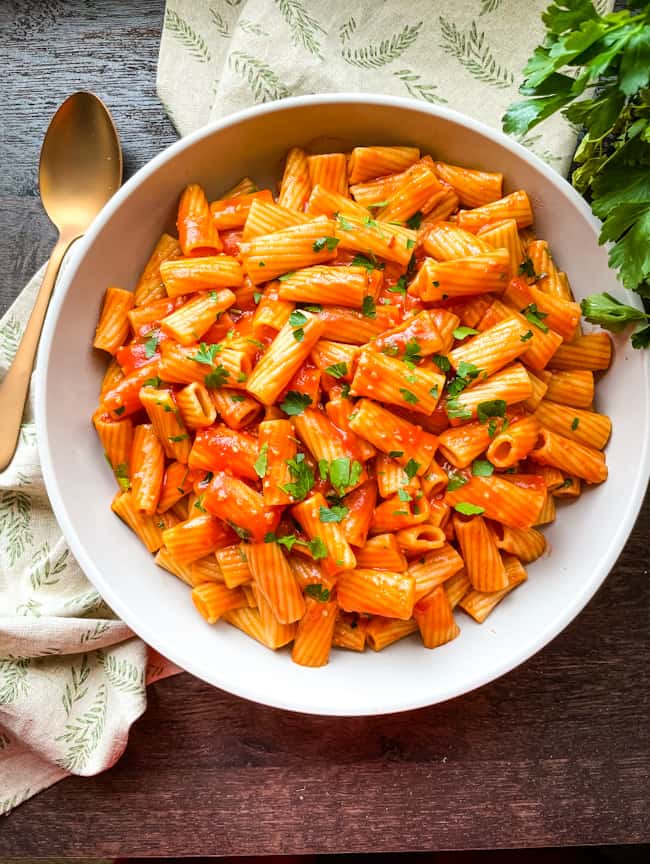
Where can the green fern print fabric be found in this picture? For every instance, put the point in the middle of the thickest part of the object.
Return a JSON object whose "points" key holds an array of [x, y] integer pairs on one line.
{"points": [[72, 676], [217, 57]]}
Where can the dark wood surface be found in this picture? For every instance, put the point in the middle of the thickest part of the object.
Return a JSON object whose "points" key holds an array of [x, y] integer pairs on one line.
{"points": [[555, 753]]}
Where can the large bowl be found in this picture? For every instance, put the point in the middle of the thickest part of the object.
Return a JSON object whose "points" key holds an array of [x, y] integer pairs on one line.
{"points": [[585, 540]]}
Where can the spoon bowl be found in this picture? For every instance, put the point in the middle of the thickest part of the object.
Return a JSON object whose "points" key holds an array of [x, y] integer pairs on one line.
{"points": [[80, 170], [81, 162]]}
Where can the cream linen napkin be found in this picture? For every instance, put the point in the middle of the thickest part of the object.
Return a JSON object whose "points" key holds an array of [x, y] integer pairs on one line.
{"points": [[217, 57], [72, 677]]}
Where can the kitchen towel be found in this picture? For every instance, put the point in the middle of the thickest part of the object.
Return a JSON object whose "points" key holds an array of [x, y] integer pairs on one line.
{"points": [[72, 677]]}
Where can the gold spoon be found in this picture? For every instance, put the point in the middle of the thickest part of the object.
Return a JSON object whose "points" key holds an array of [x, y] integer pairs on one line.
{"points": [[79, 170]]}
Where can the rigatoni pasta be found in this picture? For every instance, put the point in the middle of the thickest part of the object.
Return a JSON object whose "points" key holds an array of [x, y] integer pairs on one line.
{"points": [[340, 413]]}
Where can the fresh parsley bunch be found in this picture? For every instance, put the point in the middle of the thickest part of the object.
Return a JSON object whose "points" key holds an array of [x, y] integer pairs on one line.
{"points": [[596, 69]]}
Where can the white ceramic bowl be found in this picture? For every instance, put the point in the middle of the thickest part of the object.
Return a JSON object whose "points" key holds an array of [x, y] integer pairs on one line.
{"points": [[585, 540]]}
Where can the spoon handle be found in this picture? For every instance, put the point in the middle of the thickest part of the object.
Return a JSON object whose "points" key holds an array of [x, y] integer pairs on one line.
{"points": [[15, 385]]}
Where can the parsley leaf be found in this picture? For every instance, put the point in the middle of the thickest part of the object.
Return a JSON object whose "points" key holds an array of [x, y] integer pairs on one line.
{"points": [[345, 224], [153, 382], [526, 268], [318, 592], [286, 276], [456, 480], [122, 475], [415, 221], [151, 345], [411, 468], [399, 287], [464, 332], [534, 316], [369, 262], [575, 423], [329, 243], [409, 397], [395, 454], [262, 462], [482, 468], [317, 548], [337, 370], [333, 514], [457, 411], [490, 408], [206, 354], [468, 509], [609, 312], [297, 319], [412, 352], [303, 477], [526, 336], [441, 362], [217, 377], [368, 308], [295, 403], [343, 473]]}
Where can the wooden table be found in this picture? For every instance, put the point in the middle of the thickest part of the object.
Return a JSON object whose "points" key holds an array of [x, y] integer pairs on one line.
{"points": [[555, 753]]}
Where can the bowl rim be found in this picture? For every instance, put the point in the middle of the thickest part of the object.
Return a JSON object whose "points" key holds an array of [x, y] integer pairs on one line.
{"points": [[234, 684]]}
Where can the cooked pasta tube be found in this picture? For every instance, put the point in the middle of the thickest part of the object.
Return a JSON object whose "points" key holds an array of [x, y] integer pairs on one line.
{"points": [[382, 632], [375, 592], [435, 619], [275, 580], [113, 326], [150, 286], [463, 276], [474, 188], [197, 233], [315, 632], [187, 275], [514, 206]]}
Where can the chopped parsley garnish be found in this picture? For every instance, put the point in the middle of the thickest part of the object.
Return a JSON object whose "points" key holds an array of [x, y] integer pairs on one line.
{"points": [[119, 411], [297, 319], [206, 354], [490, 408], [532, 314], [299, 334], [441, 362], [465, 374], [434, 391], [337, 370], [318, 592], [482, 468], [409, 397], [526, 336], [243, 533], [415, 221], [378, 205], [345, 224], [313, 307], [257, 296], [152, 382], [456, 480], [368, 308], [412, 353], [464, 332], [286, 276], [342, 472], [295, 403], [256, 343], [199, 503], [329, 243], [575, 423], [369, 262], [288, 540], [390, 349], [399, 287], [395, 454], [526, 268], [457, 411], [345, 391], [242, 376], [237, 397], [411, 468], [303, 477], [216, 378], [317, 548], [175, 439], [333, 514], [410, 243], [151, 345], [403, 495], [122, 475], [468, 509], [262, 462]]}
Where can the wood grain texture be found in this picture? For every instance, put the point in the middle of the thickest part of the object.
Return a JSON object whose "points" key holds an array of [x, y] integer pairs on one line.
{"points": [[555, 753]]}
